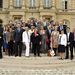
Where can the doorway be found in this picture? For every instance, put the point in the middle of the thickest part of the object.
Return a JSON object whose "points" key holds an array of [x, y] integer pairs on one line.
{"points": [[17, 17], [48, 17]]}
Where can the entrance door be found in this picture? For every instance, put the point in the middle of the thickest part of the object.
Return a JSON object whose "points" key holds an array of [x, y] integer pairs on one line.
{"points": [[48, 17], [17, 17]]}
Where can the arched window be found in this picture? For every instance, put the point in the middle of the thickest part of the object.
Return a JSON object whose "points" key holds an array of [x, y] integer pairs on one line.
{"points": [[47, 3], [1, 3], [17, 3]]}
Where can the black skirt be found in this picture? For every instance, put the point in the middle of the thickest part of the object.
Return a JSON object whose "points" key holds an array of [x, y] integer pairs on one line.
{"points": [[61, 48]]}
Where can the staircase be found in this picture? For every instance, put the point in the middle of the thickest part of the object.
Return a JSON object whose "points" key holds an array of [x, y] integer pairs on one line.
{"points": [[36, 66]]}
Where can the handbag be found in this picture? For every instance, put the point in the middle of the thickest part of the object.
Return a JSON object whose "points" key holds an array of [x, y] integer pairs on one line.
{"points": [[51, 52]]}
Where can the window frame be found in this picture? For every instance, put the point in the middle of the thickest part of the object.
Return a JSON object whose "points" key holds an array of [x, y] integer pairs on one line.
{"points": [[47, 4], [17, 3], [32, 4], [64, 6]]}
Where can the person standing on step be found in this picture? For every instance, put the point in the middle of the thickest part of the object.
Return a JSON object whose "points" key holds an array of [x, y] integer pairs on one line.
{"points": [[26, 40], [18, 40], [70, 39], [62, 41], [36, 41]]}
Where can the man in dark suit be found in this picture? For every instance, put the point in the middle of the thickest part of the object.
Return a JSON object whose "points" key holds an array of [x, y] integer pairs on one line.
{"points": [[36, 42], [70, 39], [18, 40], [1, 40]]}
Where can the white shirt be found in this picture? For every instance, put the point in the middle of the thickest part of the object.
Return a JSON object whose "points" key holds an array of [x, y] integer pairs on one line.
{"points": [[63, 39], [26, 37], [68, 35]]}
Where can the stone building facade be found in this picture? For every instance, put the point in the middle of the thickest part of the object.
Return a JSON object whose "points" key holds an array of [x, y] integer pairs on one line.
{"points": [[50, 9]]}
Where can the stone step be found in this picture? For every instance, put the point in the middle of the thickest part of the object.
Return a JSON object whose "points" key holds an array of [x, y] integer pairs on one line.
{"points": [[36, 66], [62, 71]]}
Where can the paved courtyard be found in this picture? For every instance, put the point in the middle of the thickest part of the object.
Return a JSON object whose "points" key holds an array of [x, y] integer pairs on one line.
{"points": [[36, 66]]}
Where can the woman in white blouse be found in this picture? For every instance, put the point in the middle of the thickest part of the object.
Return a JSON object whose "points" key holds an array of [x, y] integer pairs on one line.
{"points": [[26, 40], [62, 44]]}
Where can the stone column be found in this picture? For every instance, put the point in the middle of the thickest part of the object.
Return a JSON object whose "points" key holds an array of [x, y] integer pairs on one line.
{"points": [[53, 4], [11, 4], [10, 18], [24, 17], [40, 17], [41, 4], [23, 4]]}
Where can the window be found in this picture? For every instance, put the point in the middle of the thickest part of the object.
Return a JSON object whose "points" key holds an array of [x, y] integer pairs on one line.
{"points": [[32, 3], [1, 3], [64, 4], [47, 3], [17, 3]]}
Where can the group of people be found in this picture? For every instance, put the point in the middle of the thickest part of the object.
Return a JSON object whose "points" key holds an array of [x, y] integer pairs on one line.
{"points": [[36, 37]]}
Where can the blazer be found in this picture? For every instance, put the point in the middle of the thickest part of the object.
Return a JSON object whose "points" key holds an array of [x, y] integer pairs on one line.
{"points": [[18, 35], [74, 36], [63, 40], [36, 39], [26, 37], [9, 36], [71, 38]]}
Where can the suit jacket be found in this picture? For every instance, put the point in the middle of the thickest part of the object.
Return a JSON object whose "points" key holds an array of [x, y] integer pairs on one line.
{"points": [[71, 38], [74, 36], [9, 36], [18, 35], [35, 39], [26, 37]]}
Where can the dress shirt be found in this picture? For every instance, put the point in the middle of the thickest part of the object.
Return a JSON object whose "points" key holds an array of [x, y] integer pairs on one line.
{"points": [[63, 39], [68, 36]]}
